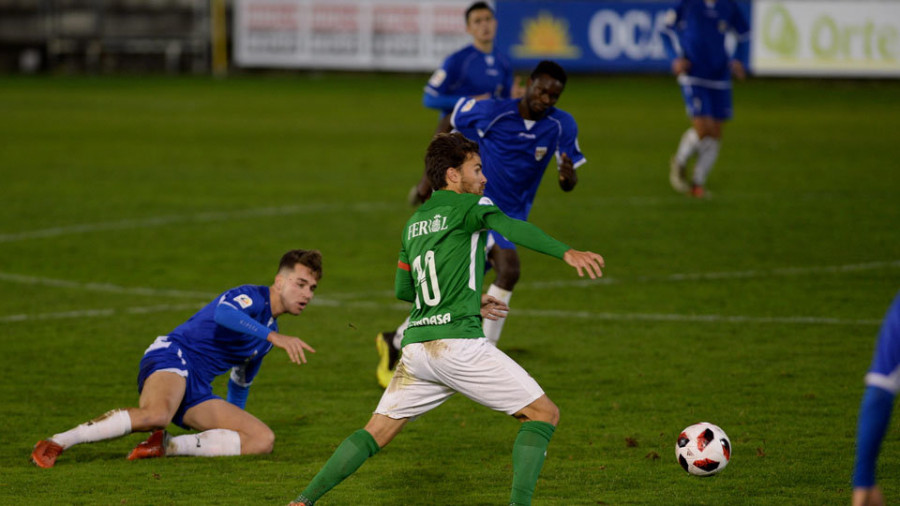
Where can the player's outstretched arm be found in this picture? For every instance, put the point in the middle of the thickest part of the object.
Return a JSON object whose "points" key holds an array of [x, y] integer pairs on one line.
{"points": [[585, 261], [493, 308], [292, 345], [568, 178]]}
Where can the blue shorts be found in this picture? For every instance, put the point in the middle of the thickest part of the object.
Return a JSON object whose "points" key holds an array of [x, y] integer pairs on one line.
{"points": [[164, 355], [704, 101]]}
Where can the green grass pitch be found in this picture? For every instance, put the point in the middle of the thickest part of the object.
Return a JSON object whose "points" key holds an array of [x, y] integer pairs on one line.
{"points": [[129, 202]]}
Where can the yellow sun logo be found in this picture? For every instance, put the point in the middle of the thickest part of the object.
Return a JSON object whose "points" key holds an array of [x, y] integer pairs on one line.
{"points": [[545, 36]]}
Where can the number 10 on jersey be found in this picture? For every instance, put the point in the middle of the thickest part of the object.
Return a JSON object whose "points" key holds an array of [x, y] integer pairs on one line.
{"points": [[426, 279]]}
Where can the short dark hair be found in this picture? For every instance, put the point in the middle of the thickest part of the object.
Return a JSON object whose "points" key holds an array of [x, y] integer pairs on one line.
{"points": [[477, 6], [550, 68], [311, 258], [445, 151]]}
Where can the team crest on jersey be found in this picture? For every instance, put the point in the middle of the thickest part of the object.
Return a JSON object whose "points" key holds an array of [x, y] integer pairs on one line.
{"points": [[437, 78], [468, 105], [540, 152], [244, 300], [438, 223], [723, 26]]}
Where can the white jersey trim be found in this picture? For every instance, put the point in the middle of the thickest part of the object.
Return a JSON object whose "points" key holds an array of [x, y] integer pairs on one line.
{"points": [[473, 250], [686, 80], [158, 344], [181, 372], [890, 383], [496, 119]]}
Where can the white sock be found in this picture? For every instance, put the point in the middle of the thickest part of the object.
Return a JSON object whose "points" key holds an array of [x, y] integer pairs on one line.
{"points": [[113, 424], [493, 328], [398, 336], [687, 147], [210, 443], [708, 152]]}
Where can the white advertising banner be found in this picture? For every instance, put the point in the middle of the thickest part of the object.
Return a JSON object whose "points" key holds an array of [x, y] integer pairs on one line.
{"points": [[407, 35], [826, 38]]}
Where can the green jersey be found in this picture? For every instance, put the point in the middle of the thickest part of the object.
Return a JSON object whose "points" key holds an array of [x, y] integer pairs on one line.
{"points": [[441, 264]]}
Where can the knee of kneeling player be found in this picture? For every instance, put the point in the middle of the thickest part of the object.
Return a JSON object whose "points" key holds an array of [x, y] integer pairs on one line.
{"points": [[260, 442], [146, 420]]}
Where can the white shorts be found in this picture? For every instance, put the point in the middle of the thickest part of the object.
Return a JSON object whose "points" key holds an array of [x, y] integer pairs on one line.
{"points": [[429, 373]]}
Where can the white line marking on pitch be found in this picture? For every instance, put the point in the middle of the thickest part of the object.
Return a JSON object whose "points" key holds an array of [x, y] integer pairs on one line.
{"points": [[347, 298], [103, 287], [536, 313], [784, 271], [711, 276], [89, 313], [206, 217]]}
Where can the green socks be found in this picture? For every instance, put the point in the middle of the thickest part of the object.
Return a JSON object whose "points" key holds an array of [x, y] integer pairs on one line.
{"points": [[529, 452], [345, 460]]}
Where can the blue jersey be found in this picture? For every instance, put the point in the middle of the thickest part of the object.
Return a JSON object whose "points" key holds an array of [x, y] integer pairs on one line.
{"points": [[467, 73], [515, 151], [882, 385], [696, 31], [885, 370], [214, 348]]}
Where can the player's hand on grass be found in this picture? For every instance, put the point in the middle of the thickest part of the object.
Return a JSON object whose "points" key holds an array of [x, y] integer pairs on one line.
{"points": [[568, 178], [493, 308], [738, 70], [292, 345], [585, 261], [680, 66]]}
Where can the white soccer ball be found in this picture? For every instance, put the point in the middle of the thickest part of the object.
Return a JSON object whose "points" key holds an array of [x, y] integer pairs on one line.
{"points": [[703, 449]]}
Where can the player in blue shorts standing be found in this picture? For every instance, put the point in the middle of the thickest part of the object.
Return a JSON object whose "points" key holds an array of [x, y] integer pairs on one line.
{"points": [[232, 333], [694, 38], [882, 385], [476, 71], [517, 138]]}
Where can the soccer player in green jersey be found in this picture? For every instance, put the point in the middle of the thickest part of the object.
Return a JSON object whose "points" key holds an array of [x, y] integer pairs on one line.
{"points": [[440, 271]]}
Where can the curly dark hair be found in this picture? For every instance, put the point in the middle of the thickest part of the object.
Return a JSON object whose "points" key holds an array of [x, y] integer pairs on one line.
{"points": [[445, 151]]}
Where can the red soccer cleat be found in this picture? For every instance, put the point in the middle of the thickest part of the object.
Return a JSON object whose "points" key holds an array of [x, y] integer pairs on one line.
{"points": [[698, 191], [154, 446], [45, 453]]}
